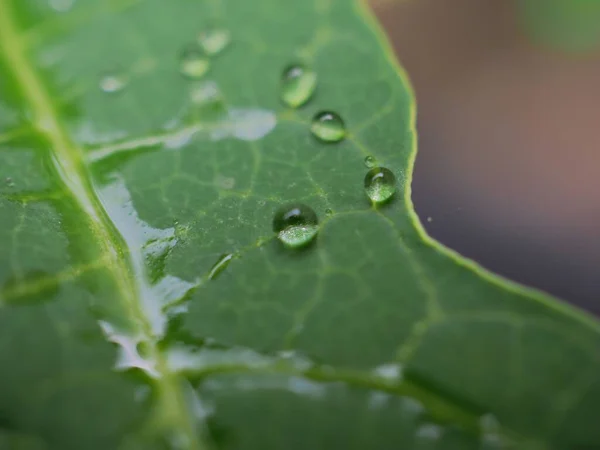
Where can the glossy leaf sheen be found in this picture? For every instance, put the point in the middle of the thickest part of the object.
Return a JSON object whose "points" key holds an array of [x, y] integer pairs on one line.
{"points": [[116, 208]]}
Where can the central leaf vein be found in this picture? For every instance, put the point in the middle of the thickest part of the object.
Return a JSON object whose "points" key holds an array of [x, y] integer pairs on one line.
{"points": [[69, 165]]}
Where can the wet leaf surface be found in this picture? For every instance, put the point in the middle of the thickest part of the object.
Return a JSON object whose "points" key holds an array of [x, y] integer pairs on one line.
{"points": [[145, 300]]}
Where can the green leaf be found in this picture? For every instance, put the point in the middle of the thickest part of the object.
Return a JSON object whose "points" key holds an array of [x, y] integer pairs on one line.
{"points": [[145, 302]]}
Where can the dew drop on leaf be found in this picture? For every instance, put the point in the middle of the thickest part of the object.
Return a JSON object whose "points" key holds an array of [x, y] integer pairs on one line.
{"points": [[389, 372], [61, 5], [380, 184], [194, 63], [370, 162], [329, 211], [328, 127], [214, 41], [295, 224], [220, 265], [223, 182], [112, 83], [298, 84]]}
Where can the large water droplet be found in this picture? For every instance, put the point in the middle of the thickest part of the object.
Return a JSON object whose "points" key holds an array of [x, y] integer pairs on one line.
{"points": [[194, 63], [328, 127], [112, 83], [380, 184], [220, 265], [295, 224], [214, 41], [297, 85]]}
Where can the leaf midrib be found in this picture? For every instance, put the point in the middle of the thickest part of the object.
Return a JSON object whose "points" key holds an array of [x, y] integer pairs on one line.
{"points": [[67, 159]]}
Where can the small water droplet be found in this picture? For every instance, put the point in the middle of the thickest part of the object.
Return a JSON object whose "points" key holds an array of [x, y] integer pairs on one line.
{"points": [[370, 162], [214, 41], [207, 92], [391, 372], [380, 184], [220, 265], [9, 182], [61, 5], [194, 63], [430, 219], [328, 127], [295, 224], [329, 211], [430, 432], [297, 85], [225, 182], [112, 83]]}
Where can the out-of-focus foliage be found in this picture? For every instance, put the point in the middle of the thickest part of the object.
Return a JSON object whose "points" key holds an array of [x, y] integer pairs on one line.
{"points": [[571, 25]]}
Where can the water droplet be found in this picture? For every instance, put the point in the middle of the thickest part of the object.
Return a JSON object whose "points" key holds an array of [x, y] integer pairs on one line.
{"points": [[194, 63], [389, 372], [112, 83], [225, 182], [328, 127], [430, 432], [220, 265], [129, 354], [430, 219], [61, 5], [380, 184], [214, 41], [297, 85], [295, 224], [329, 211], [205, 93], [245, 124], [370, 162]]}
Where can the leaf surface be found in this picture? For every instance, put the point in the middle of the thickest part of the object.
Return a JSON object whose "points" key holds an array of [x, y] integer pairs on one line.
{"points": [[122, 184]]}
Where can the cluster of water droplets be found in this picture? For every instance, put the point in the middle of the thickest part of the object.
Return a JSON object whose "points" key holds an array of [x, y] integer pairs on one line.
{"points": [[296, 224], [196, 57]]}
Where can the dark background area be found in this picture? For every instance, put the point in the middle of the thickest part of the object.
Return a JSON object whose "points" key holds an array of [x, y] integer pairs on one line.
{"points": [[508, 169]]}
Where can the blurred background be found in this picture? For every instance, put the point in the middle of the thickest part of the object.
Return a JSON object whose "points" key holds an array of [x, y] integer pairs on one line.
{"points": [[508, 169]]}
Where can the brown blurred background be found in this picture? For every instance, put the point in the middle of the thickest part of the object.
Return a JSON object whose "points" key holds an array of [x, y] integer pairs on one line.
{"points": [[508, 170]]}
